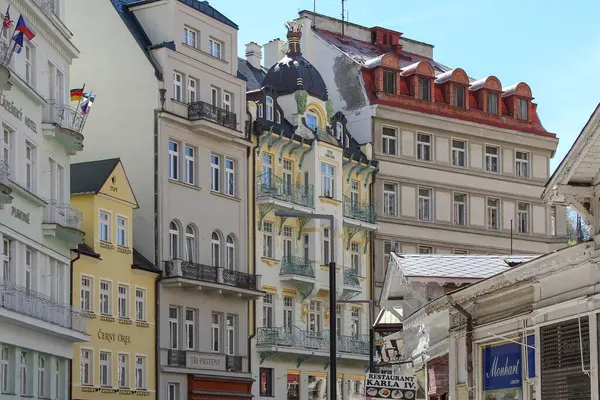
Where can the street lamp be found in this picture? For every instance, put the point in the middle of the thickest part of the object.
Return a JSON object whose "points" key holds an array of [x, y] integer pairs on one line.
{"points": [[371, 328], [332, 299]]}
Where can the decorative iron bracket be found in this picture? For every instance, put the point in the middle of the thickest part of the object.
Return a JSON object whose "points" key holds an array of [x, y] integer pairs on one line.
{"points": [[352, 169], [362, 168], [326, 363], [351, 231], [302, 221], [263, 210], [265, 354], [275, 139], [300, 360], [281, 221], [368, 175], [304, 153], [286, 146], [368, 237], [296, 147], [261, 140], [366, 169]]}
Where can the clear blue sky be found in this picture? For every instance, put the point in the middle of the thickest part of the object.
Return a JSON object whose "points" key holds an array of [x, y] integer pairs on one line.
{"points": [[552, 45]]}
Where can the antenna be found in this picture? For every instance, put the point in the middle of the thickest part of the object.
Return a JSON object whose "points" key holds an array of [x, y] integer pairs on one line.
{"points": [[343, 17], [314, 13]]}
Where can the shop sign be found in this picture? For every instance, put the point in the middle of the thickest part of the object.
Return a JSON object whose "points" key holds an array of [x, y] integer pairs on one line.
{"points": [[22, 215], [205, 361], [387, 386], [17, 112], [113, 337]]}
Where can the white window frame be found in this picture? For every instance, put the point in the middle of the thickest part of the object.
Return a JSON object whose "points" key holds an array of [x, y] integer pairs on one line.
{"points": [[326, 246], [390, 201], [524, 218], [489, 157], [214, 96], [104, 224], [190, 36], [190, 165], [355, 322], [230, 335], [41, 376], [177, 86], [174, 328], [215, 172], [425, 250], [123, 370], [493, 107], [288, 242], [422, 145], [29, 63], [30, 166], [140, 372], [174, 240], [339, 130], [28, 277], [190, 329], [523, 109], [122, 231], [457, 151], [459, 206], [288, 313], [277, 117], [105, 366], [172, 391], [389, 142], [7, 146], [259, 108], [86, 363], [489, 211], [123, 301], [57, 380], [552, 221], [215, 332], [268, 240], [425, 200], [460, 252], [328, 180], [106, 297], [192, 90], [269, 108], [522, 164], [190, 243], [231, 253], [315, 315], [140, 304], [215, 48], [87, 293], [24, 373], [230, 182], [355, 257], [227, 101], [216, 249], [267, 311], [4, 369], [173, 160]]}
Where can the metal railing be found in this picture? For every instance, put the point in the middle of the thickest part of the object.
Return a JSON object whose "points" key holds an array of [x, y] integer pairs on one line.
{"points": [[63, 215], [63, 115], [208, 273], [37, 305], [47, 6], [233, 363], [362, 211], [4, 53], [4, 171], [200, 109], [176, 358], [292, 265], [351, 277], [239, 279], [268, 185], [292, 336]]}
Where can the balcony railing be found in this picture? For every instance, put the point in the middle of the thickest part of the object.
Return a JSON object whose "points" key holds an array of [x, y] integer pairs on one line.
{"points": [[63, 215], [361, 211], [233, 363], [209, 273], [4, 51], [37, 305], [292, 336], [271, 186], [176, 358], [4, 170], [47, 6], [351, 277], [199, 109], [63, 115], [291, 265]]}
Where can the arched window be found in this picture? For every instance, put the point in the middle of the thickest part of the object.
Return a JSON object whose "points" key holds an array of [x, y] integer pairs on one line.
{"points": [[216, 249], [174, 240], [231, 253], [190, 243], [312, 121], [339, 130], [269, 108]]}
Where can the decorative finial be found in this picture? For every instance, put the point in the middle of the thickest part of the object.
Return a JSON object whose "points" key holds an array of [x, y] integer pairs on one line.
{"points": [[294, 33]]}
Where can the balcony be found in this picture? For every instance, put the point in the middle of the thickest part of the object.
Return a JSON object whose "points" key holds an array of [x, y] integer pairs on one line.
{"points": [[201, 110], [68, 124], [298, 341], [220, 280], [62, 221], [25, 307], [5, 190], [357, 211], [300, 273], [351, 284], [198, 360], [273, 188]]}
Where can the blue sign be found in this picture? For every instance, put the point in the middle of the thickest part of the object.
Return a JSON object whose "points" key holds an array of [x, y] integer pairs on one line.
{"points": [[502, 365]]}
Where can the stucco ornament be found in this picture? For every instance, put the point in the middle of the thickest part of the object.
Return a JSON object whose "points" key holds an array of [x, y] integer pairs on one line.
{"points": [[303, 312], [329, 108], [301, 100], [326, 317]]}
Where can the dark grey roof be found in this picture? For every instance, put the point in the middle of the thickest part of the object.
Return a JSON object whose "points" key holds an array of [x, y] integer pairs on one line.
{"points": [[209, 10], [253, 77], [284, 76], [85, 249], [141, 262], [89, 177]]}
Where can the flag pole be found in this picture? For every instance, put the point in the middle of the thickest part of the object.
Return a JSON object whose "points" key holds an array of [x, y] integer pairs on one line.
{"points": [[88, 111], [77, 108], [4, 61], [3, 27]]}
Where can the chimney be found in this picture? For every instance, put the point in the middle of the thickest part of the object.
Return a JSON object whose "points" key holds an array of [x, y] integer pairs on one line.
{"points": [[274, 51], [254, 54]]}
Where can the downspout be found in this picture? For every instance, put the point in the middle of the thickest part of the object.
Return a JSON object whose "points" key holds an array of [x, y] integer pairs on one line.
{"points": [[469, 345], [70, 378], [372, 368], [252, 150]]}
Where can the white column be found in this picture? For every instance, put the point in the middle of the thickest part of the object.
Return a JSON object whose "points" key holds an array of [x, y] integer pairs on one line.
{"points": [[593, 320], [452, 368]]}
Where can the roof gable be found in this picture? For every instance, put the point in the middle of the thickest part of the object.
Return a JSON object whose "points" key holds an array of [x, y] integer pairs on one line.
{"points": [[117, 186], [209, 10], [89, 177]]}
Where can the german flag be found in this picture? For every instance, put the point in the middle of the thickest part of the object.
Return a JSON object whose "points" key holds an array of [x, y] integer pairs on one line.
{"points": [[76, 94]]}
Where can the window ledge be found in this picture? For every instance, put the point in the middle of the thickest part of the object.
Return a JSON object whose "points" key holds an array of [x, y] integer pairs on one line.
{"points": [[125, 321], [26, 193], [106, 245], [187, 185], [123, 249], [142, 324], [203, 52], [225, 196], [107, 318], [330, 200], [269, 261]]}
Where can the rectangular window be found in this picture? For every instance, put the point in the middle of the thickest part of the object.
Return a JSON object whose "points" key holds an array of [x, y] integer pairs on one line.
{"points": [[267, 309], [287, 177], [459, 153], [388, 141], [354, 194], [492, 159], [387, 249], [29, 64], [173, 391], [389, 199], [177, 86], [86, 293], [229, 177], [425, 250], [216, 332], [288, 313], [123, 301], [553, 221], [105, 369], [459, 96], [288, 242], [140, 372], [190, 165], [267, 170], [227, 103], [355, 323], [121, 232], [522, 164], [104, 228], [28, 268], [328, 180], [492, 103], [339, 313], [189, 37], [314, 317], [57, 380], [214, 96], [425, 204], [326, 246], [493, 214], [523, 217], [215, 173], [523, 109], [30, 155], [41, 375], [230, 335], [173, 160], [86, 374], [266, 382], [267, 239], [306, 249], [4, 369], [460, 209], [173, 327], [355, 257], [423, 147], [140, 304], [424, 88], [214, 48], [23, 373], [105, 298], [123, 370], [190, 329], [192, 86], [460, 252], [7, 146], [389, 82]]}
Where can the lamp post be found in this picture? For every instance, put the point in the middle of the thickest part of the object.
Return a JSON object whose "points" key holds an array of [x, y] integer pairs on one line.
{"points": [[371, 328], [332, 299]]}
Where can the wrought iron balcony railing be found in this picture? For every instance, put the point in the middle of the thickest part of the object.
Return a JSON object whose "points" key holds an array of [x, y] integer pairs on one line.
{"points": [[64, 116], [292, 265], [269, 185], [208, 273], [292, 336], [361, 211], [4, 53], [63, 215], [200, 109], [37, 305], [233, 363], [176, 358], [4, 170], [351, 277]]}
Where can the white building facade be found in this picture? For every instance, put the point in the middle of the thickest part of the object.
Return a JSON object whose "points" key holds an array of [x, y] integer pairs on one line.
{"points": [[38, 229]]}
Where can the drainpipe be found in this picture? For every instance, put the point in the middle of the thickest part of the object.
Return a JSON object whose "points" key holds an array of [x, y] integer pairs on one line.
{"points": [[70, 379], [252, 154], [469, 345], [372, 367]]}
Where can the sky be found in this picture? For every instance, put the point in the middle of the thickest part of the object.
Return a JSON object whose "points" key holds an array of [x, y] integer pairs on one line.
{"points": [[552, 45]]}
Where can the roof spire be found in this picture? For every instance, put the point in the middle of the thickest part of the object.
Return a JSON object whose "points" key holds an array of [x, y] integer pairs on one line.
{"points": [[294, 33]]}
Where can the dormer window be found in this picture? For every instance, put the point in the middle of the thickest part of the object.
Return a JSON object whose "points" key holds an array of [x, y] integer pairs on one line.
{"points": [[459, 96], [260, 110], [311, 120], [346, 141], [424, 88], [269, 108], [389, 82], [492, 103], [523, 109], [277, 117], [339, 130]]}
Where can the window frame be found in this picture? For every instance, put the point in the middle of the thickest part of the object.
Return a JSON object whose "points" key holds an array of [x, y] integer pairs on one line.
{"points": [[189, 33], [108, 364], [215, 48], [456, 207], [421, 145], [457, 150], [230, 181], [123, 301], [288, 313], [30, 166], [90, 366], [552, 221], [192, 89], [141, 383], [191, 243], [425, 249], [355, 322], [355, 257], [215, 332], [190, 165], [230, 250], [42, 378], [389, 78], [215, 173], [190, 327], [488, 208], [328, 180], [268, 240], [172, 391], [269, 108], [107, 294], [140, 301], [174, 160], [268, 390], [89, 289], [122, 229], [422, 95], [106, 224], [227, 101], [230, 335], [327, 239], [493, 108], [23, 368], [174, 240], [456, 88], [174, 328], [177, 86], [430, 204], [267, 310], [386, 199], [387, 139], [123, 370], [522, 164], [524, 229], [491, 157], [216, 248], [523, 109]]}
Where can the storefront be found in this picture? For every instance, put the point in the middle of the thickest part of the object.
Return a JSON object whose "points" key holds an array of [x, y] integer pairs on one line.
{"points": [[209, 387], [437, 379]]}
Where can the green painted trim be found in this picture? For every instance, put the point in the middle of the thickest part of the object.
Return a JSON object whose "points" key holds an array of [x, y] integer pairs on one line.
{"points": [[300, 360], [264, 355], [261, 140], [302, 221], [285, 146], [351, 172], [368, 237], [350, 233], [275, 140], [263, 210], [296, 147], [304, 153], [368, 175], [281, 222]]}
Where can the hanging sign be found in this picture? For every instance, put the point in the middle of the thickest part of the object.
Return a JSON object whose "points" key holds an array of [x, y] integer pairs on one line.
{"points": [[387, 386]]}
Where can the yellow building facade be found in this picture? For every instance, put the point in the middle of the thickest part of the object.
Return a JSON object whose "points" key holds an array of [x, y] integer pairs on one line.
{"points": [[114, 286]]}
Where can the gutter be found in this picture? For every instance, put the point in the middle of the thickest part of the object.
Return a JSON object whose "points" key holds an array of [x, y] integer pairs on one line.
{"points": [[469, 345], [252, 155], [70, 378]]}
